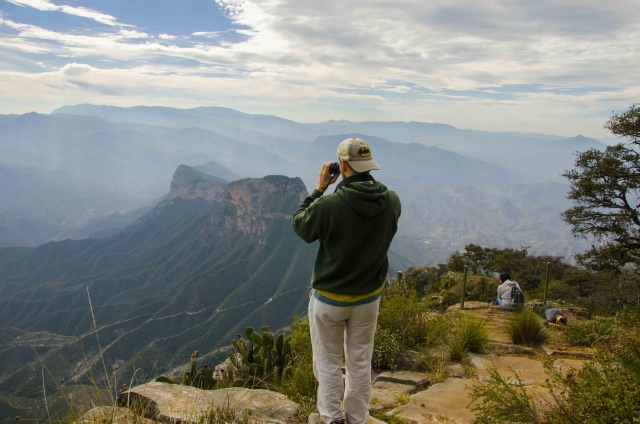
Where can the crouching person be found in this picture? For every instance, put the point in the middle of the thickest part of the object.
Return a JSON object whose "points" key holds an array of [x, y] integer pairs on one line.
{"points": [[551, 315], [355, 226]]}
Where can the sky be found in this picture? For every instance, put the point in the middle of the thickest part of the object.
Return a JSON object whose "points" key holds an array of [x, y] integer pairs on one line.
{"points": [[556, 67]]}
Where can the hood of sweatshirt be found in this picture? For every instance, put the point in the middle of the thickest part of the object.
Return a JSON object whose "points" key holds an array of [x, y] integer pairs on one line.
{"points": [[366, 199]]}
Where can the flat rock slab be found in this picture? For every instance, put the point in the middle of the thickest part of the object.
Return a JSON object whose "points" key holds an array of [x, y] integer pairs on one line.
{"points": [[511, 348], [384, 394], [530, 371], [566, 367], [448, 399], [314, 419], [112, 415], [404, 377], [567, 352], [175, 403]]}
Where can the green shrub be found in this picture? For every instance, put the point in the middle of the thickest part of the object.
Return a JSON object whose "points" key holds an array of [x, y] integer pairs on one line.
{"points": [[469, 335], [603, 392], [498, 401], [299, 380], [301, 340], [438, 329], [562, 290], [590, 332], [632, 363], [224, 414], [385, 348], [422, 278], [527, 328], [403, 312]]}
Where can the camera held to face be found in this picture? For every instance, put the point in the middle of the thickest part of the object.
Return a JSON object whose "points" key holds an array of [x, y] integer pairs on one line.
{"points": [[334, 168]]}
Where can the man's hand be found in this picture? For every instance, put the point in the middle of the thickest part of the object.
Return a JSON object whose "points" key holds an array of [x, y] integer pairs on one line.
{"points": [[324, 177]]}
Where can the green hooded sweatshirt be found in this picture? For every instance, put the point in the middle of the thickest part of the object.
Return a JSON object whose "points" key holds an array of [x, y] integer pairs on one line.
{"points": [[355, 227]]}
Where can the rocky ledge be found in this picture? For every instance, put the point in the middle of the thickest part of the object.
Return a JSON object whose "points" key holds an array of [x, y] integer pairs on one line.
{"points": [[173, 403]]}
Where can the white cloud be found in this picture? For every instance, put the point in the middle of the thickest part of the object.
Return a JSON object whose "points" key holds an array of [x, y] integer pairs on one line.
{"points": [[403, 58], [125, 34], [207, 34], [21, 45], [47, 6]]}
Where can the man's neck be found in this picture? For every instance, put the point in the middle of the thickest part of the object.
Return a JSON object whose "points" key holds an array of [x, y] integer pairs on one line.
{"points": [[354, 179]]}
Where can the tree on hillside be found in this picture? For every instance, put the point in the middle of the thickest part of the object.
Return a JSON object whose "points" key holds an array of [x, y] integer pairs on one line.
{"points": [[528, 269], [606, 189]]}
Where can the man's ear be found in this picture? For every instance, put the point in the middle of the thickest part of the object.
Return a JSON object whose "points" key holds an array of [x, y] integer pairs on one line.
{"points": [[343, 166]]}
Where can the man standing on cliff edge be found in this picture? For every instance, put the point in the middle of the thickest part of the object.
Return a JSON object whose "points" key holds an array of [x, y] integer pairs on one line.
{"points": [[355, 226]]}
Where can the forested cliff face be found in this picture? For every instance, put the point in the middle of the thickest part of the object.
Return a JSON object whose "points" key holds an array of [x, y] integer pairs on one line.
{"points": [[213, 258]]}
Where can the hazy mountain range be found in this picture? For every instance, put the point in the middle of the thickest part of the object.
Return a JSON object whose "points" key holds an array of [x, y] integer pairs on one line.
{"points": [[211, 259], [456, 194], [177, 222]]}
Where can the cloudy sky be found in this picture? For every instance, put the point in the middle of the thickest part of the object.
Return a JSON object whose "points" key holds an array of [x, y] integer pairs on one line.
{"points": [[557, 67]]}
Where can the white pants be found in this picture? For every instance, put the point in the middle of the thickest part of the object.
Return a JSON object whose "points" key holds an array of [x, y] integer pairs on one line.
{"points": [[331, 328]]}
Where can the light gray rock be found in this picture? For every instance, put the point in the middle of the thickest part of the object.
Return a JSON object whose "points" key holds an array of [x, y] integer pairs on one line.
{"points": [[566, 367], [529, 370], [568, 352], [404, 377], [112, 415], [456, 370], [448, 399], [181, 404], [385, 394], [511, 348]]}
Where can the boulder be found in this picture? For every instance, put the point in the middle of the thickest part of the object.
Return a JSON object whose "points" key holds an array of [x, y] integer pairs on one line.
{"points": [[529, 370], [456, 370], [112, 415], [181, 404], [404, 377], [385, 394], [448, 399]]}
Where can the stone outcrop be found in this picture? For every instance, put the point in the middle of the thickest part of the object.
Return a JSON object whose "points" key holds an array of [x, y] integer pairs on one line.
{"points": [[415, 379], [189, 184], [251, 206], [571, 352], [111, 415], [442, 400], [566, 367], [173, 403], [528, 370], [390, 388]]}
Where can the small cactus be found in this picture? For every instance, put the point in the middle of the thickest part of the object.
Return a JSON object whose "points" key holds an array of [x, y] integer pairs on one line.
{"points": [[206, 379], [268, 359], [165, 379]]}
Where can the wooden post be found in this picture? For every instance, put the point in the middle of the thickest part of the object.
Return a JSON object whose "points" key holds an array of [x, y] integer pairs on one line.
{"points": [[546, 287], [464, 287]]}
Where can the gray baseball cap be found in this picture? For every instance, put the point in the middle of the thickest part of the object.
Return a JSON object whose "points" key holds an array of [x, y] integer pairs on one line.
{"points": [[357, 153]]}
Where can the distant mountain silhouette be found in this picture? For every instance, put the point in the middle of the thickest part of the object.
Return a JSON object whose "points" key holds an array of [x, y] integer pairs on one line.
{"points": [[541, 157]]}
